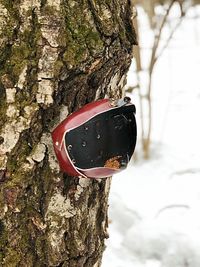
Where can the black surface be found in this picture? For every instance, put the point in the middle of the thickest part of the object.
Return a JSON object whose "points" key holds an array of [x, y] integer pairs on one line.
{"points": [[107, 135]]}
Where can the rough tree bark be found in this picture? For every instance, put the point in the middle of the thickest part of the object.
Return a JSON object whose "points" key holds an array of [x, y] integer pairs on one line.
{"points": [[56, 55]]}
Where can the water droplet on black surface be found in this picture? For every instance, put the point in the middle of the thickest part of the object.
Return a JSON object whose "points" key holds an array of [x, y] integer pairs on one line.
{"points": [[98, 136], [69, 147], [84, 143]]}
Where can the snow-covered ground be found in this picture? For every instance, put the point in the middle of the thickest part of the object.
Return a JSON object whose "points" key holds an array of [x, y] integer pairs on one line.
{"points": [[155, 204]]}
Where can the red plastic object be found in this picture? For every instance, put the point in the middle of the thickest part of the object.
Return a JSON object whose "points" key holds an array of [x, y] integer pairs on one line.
{"points": [[73, 121]]}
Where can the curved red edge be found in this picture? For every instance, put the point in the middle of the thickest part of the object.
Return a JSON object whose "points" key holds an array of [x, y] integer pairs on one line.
{"points": [[72, 121]]}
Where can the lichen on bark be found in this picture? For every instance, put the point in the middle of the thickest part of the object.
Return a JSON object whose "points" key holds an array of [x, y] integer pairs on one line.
{"points": [[55, 56]]}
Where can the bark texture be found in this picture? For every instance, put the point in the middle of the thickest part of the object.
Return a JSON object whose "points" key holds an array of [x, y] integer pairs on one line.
{"points": [[55, 56]]}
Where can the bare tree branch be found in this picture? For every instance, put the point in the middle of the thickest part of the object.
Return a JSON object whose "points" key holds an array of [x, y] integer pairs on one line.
{"points": [[158, 37], [171, 36]]}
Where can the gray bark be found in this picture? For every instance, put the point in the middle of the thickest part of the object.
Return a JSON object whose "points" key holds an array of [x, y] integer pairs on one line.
{"points": [[55, 56]]}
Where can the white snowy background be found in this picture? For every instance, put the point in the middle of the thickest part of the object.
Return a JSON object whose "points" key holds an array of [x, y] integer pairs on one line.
{"points": [[155, 205]]}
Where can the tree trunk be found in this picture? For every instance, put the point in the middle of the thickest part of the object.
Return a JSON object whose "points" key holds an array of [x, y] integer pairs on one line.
{"points": [[56, 55]]}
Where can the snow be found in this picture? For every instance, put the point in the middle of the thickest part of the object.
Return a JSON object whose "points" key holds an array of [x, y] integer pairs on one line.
{"points": [[154, 205]]}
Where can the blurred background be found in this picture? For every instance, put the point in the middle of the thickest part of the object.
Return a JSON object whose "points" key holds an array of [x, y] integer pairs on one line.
{"points": [[155, 204]]}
